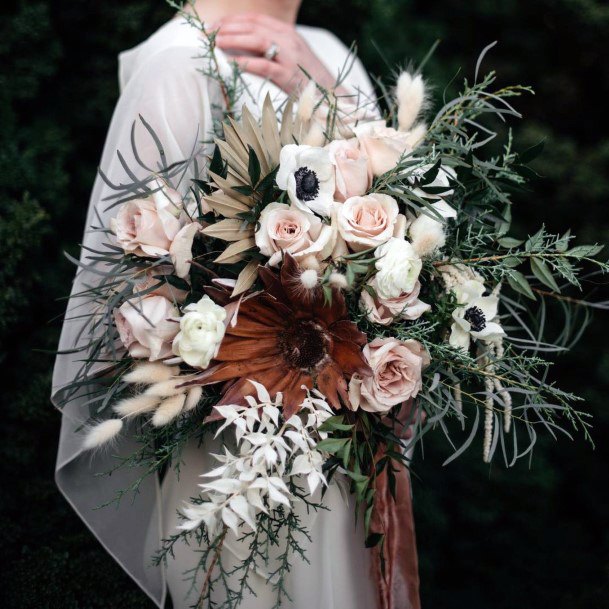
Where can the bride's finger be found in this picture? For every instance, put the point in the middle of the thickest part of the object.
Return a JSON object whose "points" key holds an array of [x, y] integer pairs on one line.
{"points": [[256, 21], [253, 43], [260, 66], [235, 28]]}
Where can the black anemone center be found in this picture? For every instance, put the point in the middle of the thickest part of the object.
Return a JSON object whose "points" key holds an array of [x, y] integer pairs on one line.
{"points": [[476, 318], [303, 344], [307, 184]]}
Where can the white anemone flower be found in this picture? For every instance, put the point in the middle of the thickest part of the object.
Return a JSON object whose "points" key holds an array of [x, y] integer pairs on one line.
{"points": [[473, 315], [308, 176]]}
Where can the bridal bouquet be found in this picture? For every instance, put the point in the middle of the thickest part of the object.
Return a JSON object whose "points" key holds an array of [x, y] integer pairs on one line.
{"points": [[331, 287]]}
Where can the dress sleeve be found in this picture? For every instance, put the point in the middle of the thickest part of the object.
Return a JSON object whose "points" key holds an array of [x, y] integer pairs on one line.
{"points": [[166, 104]]}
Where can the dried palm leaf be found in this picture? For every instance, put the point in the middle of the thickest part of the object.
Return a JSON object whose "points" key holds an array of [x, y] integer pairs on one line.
{"points": [[229, 229], [226, 186], [234, 252], [226, 206], [246, 278], [270, 131]]}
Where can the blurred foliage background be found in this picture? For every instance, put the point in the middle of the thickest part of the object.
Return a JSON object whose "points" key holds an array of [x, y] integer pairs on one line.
{"points": [[497, 538]]}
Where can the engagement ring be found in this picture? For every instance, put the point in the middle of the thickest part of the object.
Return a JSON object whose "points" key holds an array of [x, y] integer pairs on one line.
{"points": [[272, 52]]}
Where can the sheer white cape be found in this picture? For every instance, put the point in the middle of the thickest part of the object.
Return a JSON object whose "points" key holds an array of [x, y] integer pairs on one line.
{"points": [[160, 80]]}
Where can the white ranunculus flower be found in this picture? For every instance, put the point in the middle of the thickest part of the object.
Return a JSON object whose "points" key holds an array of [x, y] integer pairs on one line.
{"points": [[308, 176], [442, 180], [201, 332], [473, 315], [427, 233], [398, 267]]}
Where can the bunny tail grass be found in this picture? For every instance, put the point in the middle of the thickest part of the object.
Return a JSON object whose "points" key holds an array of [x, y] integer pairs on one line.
{"points": [[168, 410], [410, 95], [149, 373], [102, 433]]}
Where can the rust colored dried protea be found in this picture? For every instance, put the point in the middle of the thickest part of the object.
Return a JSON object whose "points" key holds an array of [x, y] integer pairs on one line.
{"points": [[287, 337]]}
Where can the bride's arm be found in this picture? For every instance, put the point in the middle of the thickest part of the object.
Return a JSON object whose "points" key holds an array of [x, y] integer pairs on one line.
{"points": [[168, 93]]}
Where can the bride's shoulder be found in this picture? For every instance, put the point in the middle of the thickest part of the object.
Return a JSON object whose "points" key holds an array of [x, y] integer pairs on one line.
{"points": [[172, 49], [317, 36]]}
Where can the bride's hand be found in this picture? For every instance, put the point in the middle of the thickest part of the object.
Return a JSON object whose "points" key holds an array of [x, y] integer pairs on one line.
{"points": [[249, 36]]}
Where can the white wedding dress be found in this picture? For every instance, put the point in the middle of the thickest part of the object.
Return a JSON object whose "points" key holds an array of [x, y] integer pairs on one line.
{"points": [[161, 82]]}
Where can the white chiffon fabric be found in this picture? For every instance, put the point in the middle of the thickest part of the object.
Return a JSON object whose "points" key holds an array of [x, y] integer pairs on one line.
{"points": [[161, 82]]}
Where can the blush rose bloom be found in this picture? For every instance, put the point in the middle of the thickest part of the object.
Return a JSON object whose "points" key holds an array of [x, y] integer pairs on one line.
{"points": [[147, 326], [181, 248], [368, 221], [385, 311], [353, 174], [384, 146], [147, 227], [154, 284], [397, 367], [288, 229]]}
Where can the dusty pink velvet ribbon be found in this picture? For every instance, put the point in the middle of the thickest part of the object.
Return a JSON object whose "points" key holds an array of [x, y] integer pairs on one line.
{"points": [[396, 570], [398, 584]]}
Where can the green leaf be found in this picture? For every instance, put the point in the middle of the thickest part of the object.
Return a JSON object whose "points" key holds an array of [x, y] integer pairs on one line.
{"points": [[512, 261], [253, 167], [544, 274], [357, 477], [174, 281], [332, 445], [217, 165], [335, 423], [205, 187], [268, 181], [350, 275], [509, 242], [530, 154], [584, 251], [431, 174], [345, 453], [504, 226], [563, 243], [519, 283], [243, 190], [361, 484]]}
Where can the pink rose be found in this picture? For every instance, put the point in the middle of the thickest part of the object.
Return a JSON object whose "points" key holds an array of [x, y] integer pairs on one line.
{"points": [[146, 328], [385, 311], [181, 248], [368, 221], [288, 229], [396, 374], [146, 227], [384, 146], [353, 176], [154, 284]]}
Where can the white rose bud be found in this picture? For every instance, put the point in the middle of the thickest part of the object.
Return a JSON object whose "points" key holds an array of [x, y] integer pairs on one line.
{"points": [[201, 332], [398, 267]]}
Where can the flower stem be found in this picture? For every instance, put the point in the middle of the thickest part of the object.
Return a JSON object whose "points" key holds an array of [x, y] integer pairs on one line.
{"points": [[212, 565]]}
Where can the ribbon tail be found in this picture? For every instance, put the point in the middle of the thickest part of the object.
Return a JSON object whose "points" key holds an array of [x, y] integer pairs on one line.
{"points": [[395, 562]]}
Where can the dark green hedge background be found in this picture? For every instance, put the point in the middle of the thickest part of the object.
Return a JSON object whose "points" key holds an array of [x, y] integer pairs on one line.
{"points": [[489, 538]]}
